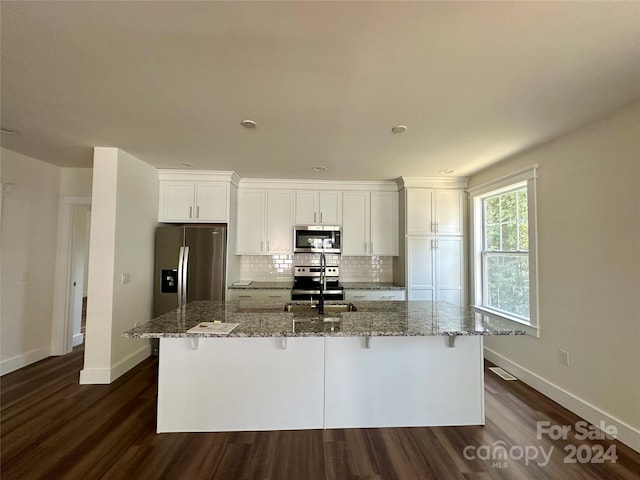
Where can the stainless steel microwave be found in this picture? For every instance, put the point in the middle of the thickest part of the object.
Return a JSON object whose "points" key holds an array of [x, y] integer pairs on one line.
{"points": [[316, 239]]}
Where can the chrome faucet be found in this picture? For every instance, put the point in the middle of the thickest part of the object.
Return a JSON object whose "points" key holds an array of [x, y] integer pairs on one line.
{"points": [[323, 282]]}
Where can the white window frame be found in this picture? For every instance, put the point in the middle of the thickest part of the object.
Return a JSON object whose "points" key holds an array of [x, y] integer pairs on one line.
{"points": [[506, 183]]}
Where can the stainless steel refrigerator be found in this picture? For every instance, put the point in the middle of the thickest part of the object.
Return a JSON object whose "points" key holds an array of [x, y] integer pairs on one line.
{"points": [[189, 265]]}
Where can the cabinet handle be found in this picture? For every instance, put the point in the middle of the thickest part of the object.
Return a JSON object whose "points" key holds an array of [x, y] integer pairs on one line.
{"points": [[320, 217], [261, 245], [365, 247], [433, 227], [371, 246], [359, 296], [268, 247], [314, 217], [386, 297], [437, 226], [244, 296], [275, 296], [198, 211], [190, 212]]}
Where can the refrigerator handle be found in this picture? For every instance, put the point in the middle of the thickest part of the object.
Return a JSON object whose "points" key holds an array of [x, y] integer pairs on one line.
{"points": [[180, 258], [185, 271]]}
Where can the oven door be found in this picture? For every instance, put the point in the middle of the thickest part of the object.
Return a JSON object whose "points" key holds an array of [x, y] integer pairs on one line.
{"points": [[298, 294]]}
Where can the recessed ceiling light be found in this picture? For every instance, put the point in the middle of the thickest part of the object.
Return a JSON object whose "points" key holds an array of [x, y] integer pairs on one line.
{"points": [[186, 165], [399, 129], [320, 168], [446, 172], [8, 131], [248, 124]]}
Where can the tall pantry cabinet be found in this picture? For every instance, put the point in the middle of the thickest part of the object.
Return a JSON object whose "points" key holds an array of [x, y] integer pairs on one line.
{"points": [[434, 242]]}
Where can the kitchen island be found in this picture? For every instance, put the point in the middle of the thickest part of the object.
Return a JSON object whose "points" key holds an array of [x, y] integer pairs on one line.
{"points": [[386, 364]]}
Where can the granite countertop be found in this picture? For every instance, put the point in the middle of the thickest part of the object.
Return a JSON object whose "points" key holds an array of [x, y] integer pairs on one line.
{"points": [[264, 286], [372, 286], [268, 319]]}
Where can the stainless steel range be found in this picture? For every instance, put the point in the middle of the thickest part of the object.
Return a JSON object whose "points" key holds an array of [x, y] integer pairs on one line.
{"points": [[308, 282]]}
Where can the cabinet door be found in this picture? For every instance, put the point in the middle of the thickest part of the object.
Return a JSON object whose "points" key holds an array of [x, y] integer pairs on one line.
{"points": [[384, 223], [280, 221], [449, 269], [330, 208], [251, 222], [419, 211], [176, 201], [355, 231], [211, 202], [420, 268], [306, 207], [448, 212]]}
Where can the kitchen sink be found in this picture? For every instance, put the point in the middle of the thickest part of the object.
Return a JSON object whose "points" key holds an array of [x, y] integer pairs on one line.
{"points": [[328, 308]]}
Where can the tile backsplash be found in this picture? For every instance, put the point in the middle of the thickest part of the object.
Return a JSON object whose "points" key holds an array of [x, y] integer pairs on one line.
{"points": [[275, 268]]}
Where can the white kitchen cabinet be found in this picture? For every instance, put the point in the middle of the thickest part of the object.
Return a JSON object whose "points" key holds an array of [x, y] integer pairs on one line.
{"points": [[193, 201], [251, 225], [279, 215], [373, 295], [357, 224], [434, 211], [370, 223], [384, 223], [260, 294], [435, 268], [265, 222], [318, 207]]}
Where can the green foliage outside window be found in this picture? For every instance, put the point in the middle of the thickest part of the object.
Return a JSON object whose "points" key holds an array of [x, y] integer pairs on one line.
{"points": [[505, 252]]}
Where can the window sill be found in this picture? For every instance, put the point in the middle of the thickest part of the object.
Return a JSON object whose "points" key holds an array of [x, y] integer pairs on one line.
{"points": [[529, 329]]}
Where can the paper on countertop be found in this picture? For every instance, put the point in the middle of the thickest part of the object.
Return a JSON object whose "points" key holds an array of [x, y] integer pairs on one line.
{"points": [[242, 283], [213, 327]]}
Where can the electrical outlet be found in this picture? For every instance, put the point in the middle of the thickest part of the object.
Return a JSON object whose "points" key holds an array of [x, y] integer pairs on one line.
{"points": [[125, 278], [563, 357]]}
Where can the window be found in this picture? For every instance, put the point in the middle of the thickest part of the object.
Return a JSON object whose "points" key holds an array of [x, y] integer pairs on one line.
{"points": [[504, 262]]}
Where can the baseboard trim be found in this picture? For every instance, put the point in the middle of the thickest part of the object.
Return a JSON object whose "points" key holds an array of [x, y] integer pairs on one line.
{"points": [[626, 433], [32, 356], [101, 376]]}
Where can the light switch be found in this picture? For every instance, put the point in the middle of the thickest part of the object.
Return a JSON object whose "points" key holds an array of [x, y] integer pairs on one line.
{"points": [[125, 278]]}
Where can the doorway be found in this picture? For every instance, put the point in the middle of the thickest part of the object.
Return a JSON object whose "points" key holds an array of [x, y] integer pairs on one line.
{"points": [[71, 273]]}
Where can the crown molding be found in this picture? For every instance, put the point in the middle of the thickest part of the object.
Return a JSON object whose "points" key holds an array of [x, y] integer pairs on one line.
{"points": [[199, 175], [432, 182]]}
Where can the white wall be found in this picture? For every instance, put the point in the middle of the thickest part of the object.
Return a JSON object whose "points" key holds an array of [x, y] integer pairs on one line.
{"points": [[76, 181], [589, 273], [28, 251], [123, 220]]}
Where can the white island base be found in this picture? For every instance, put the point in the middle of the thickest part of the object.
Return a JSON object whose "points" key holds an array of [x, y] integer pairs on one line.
{"points": [[291, 383]]}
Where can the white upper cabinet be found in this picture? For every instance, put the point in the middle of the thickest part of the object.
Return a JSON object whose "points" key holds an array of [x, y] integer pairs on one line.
{"points": [[384, 223], [356, 223], [265, 222], [434, 211], [250, 237], [318, 207], [193, 201], [280, 221], [370, 223], [448, 212]]}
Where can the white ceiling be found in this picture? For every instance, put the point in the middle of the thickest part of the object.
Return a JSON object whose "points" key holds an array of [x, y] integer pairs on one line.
{"points": [[169, 82]]}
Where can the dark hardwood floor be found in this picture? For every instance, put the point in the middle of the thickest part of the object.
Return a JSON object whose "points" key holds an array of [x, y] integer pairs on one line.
{"points": [[53, 428]]}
